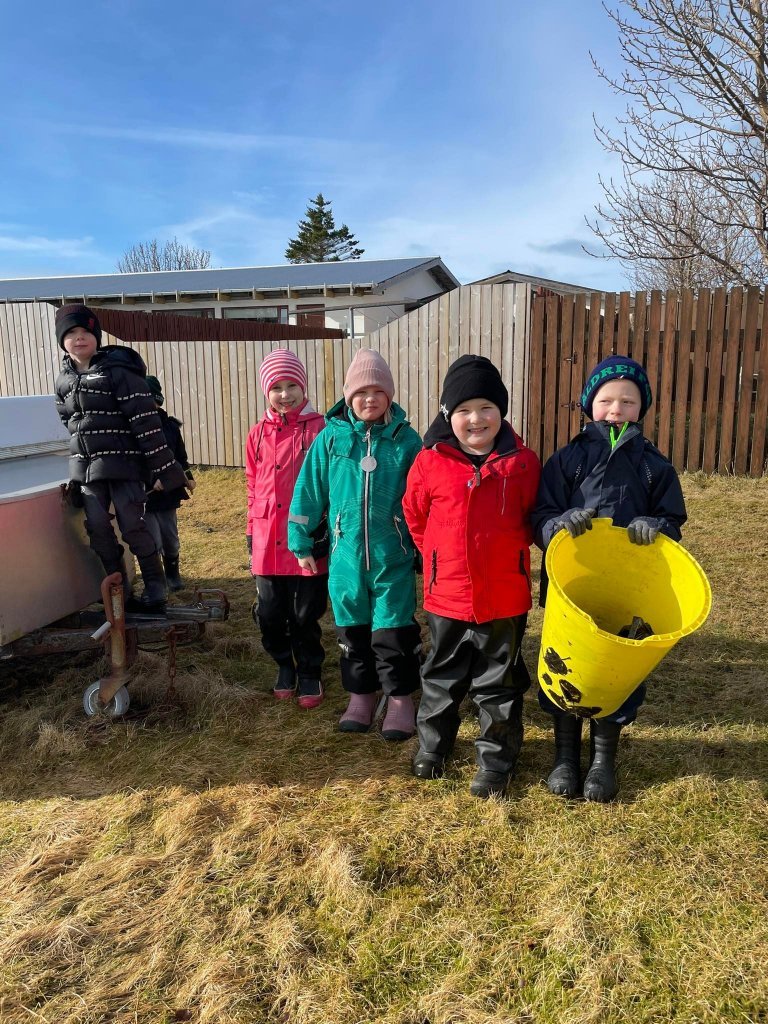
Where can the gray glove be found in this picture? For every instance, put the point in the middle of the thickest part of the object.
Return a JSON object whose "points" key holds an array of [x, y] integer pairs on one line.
{"points": [[249, 543], [644, 530], [576, 521]]}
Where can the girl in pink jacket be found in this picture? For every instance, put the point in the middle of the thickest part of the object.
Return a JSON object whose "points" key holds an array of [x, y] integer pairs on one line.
{"points": [[291, 600]]}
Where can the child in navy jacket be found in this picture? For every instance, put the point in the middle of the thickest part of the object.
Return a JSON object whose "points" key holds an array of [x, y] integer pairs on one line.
{"points": [[611, 471]]}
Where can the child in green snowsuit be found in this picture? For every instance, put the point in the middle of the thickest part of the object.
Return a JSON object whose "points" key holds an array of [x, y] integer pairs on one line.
{"points": [[355, 472]]}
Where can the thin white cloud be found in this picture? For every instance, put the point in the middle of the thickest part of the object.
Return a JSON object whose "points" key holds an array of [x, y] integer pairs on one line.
{"points": [[55, 248]]}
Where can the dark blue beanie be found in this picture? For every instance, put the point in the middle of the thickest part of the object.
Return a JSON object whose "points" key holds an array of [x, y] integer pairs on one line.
{"points": [[617, 368]]}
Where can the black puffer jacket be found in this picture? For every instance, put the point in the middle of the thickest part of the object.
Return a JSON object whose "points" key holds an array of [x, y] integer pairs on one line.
{"points": [[633, 479], [160, 501], [112, 417]]}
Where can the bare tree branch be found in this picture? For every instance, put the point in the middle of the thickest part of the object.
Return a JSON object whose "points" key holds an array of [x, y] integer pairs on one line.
{"points": [[692, 201], [171, 255]]}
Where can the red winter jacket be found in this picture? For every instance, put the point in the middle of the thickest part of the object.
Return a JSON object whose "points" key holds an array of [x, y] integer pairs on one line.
{"points": [[274, 454], [471, 527]]}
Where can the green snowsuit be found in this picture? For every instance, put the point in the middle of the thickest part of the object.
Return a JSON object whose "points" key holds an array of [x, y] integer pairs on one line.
{"points": [[371, 577], [371, 580]]}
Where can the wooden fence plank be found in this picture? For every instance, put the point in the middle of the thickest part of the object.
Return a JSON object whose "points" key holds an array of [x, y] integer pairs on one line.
{"points": [[653, 343], [757, 455], [551, 367], [405, 363], [433, 362], [609, 326], [637, 334], [698, 379], [486, 320], [564, 366], [496, 327], [593, 345], [730, 381], [622, 334], [579, 369], [679, 392], [474, 318], [536, 379], [663, 391], [422, 411], [521, 355], [746, 385], [714, 380]]}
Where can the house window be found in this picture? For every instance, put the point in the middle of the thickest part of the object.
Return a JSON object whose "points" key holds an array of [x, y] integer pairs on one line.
{"points": [[266, 314], [206, 314]]}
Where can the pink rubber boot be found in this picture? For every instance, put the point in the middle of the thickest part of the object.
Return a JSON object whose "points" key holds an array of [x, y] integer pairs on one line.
{"points": [[359, 714], [399, 721]]}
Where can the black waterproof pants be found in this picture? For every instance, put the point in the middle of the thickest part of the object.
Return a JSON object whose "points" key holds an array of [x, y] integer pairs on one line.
{"points": [[289, 612], [484, 661], [380, 659]]}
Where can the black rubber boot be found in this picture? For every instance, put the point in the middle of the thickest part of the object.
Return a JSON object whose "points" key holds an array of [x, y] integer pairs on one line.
{"points": [[428, 766], [172, 574], [155, 593], [565, 777], [285, 684], [487, 784], [600, 784]]}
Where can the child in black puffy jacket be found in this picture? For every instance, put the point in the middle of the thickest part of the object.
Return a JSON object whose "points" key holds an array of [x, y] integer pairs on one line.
{"points": [[609, 470], [117, 447]]}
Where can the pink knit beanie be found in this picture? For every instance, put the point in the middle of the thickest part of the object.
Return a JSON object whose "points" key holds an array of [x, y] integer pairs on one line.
{"points": [[282, 365], [368, 370]]}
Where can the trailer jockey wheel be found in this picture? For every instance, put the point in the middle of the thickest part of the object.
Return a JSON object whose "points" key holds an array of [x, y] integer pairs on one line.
{"points": [[116, 707]]}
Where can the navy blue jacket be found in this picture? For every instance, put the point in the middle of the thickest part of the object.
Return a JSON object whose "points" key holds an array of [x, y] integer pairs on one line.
{"points": [[160, 501], [633, 479]]}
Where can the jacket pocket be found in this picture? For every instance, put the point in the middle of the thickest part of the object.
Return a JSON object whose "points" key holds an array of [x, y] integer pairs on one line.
{"points": [[397, 521], [433, 574], [524, 569], [259, 508]]}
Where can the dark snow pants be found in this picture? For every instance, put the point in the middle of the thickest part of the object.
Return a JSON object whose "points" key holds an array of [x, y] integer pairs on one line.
{"points": [[127, 497], [288, 612], [484, 661], [380, 659]]}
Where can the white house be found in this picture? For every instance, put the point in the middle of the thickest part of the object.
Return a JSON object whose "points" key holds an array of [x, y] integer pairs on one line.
{"points": [[357, 295]]}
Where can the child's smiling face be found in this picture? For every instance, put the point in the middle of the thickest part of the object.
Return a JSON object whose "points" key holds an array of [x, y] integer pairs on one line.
{"points": [[617, 401], [370, 404], [476, 423], [81, 346], [285, 395]]}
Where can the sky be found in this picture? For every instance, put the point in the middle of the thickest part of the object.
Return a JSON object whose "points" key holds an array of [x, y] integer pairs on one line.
{"points": [[461, 130]]}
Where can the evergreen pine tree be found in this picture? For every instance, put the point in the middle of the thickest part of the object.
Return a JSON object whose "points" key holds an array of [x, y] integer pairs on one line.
{"points": [[319, 240]]}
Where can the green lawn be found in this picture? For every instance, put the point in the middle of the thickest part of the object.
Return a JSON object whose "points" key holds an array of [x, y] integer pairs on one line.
{"points": [[231, 859]]}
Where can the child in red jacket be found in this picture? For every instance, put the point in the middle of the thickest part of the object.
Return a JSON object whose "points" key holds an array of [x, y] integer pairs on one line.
{"points": [[467, 502], [291, 600]]}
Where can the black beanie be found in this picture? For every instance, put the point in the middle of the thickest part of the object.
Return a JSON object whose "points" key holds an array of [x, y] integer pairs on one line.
{"points": [[617, 368], [472, 377], [76, 315]]}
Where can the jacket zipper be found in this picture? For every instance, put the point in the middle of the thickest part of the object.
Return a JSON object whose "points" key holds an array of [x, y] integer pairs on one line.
{"points": [[365, 507], [433, 577], [398, 520]]}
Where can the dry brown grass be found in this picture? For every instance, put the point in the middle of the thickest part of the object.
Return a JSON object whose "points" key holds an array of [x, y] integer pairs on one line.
{"points": [[230, 860]]}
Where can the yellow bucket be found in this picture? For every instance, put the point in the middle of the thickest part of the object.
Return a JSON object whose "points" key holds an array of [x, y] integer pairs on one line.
{"points": [[598, 583]]}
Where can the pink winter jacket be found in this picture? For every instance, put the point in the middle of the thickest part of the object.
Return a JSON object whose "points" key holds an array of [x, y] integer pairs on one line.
{"points": [[274, 453]]}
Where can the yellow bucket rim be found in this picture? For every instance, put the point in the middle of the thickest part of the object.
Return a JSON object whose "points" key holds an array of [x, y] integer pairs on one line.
{"points": [[656, 639]]}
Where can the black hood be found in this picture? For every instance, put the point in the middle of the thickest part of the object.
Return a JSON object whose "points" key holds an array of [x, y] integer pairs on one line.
{"points": [[439, 432], [121, 356]]}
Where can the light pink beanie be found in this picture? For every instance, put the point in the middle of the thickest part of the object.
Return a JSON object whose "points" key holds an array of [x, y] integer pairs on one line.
{"points": [[368, 370], [282, 365]]}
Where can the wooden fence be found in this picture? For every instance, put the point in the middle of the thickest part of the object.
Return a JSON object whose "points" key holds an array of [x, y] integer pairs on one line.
{"points": [[706, 355]]}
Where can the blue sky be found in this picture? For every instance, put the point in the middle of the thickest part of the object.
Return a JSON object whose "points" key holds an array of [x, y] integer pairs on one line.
{"points": [[455, 129]]}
